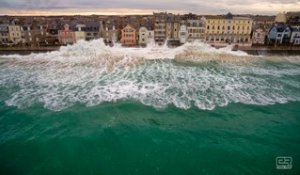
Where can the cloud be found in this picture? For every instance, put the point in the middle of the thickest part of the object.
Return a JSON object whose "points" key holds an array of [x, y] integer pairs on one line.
{"points": [[194, 6]]}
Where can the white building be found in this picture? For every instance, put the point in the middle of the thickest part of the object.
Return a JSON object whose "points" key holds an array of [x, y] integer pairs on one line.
{"points": [[145, 36], [183, 34]]}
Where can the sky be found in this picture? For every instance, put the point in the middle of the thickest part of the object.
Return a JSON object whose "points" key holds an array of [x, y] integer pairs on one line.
{"points": [[127, 7]]}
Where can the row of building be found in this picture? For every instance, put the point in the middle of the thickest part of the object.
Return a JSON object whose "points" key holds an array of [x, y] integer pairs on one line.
{"points": [[162, 28]]}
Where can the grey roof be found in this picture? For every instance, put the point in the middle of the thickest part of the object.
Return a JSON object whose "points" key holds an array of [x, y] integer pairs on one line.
{"points": [[3, 27]]}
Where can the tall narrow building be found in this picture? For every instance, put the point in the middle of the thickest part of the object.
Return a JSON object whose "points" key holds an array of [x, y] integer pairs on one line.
{"points": [[160, 27]]}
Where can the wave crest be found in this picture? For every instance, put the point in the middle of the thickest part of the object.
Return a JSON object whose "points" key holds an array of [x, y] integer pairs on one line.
{"points": [[91, 73]]}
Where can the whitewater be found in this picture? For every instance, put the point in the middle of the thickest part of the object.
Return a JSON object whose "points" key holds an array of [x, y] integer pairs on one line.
{"points": [[192, 75]]}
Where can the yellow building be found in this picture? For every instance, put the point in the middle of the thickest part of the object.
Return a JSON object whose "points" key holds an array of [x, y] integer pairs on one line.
{"points": [[224, 30]]}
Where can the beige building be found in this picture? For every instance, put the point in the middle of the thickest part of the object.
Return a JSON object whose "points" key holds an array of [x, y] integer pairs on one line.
{"points": [[196, 29], [79, 32], [281, 18], [172, 28], [224, 30], [14, 32]]}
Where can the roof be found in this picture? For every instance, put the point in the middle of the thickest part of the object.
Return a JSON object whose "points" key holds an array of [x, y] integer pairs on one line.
{"points": [[214, 17], [280, 28], [3, 27], [130, 26]]}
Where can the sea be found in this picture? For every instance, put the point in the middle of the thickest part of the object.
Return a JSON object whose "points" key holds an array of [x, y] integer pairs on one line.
{"points": [[92, 109]]}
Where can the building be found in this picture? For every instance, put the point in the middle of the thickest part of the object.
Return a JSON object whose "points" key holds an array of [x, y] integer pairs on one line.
{"points": [[258, 37], [34, 35], [14, 33], [4, 34], [94, 30], [196, 29], [183, 34], [263, 22], [110, 33], [293, 19], [281, 18], [52, 36], [279, 34], [66, 36], [189, 16], [224, 30], [145, 36], [295, 37], [129, 36], [79, 32], [160, 27], [172, 27]]}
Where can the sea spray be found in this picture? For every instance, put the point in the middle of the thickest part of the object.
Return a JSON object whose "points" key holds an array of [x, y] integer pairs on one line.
{"points": [[194, 74]]}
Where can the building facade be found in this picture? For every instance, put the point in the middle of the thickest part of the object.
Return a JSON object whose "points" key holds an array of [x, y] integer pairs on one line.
{"points": [[15, 35], [295, 37], [196, 29], [79, 32], [129, 36], [160, 28], [94, 30], [145, 36], [66, 36], [183, 34], [4, 34], [258, 37], [224, 30], [110, 34], [279, 34], [34, 35], [172, 27]]}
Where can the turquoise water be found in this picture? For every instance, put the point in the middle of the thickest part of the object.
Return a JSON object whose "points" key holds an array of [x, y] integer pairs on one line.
{"points": [[73, 112]]}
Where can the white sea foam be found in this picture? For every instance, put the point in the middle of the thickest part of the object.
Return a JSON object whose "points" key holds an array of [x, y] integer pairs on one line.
{"points": [[91, 73]]}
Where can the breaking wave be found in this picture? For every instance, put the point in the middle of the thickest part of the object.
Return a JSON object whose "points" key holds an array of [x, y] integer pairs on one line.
{"points": [[194, 74]]}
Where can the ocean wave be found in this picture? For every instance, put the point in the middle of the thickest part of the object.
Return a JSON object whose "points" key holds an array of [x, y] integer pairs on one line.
{"points": [[91, 73]]}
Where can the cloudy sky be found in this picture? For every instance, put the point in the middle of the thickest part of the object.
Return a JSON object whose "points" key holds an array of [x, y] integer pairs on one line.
{"points": [[86, 7]]}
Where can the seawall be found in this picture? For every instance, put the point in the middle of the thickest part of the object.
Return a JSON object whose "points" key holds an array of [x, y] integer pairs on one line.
{"points": [[254, 50]]}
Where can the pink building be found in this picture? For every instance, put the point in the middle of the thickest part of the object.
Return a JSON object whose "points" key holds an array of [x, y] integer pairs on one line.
{"points": [[66, 36], [129, 36]]}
